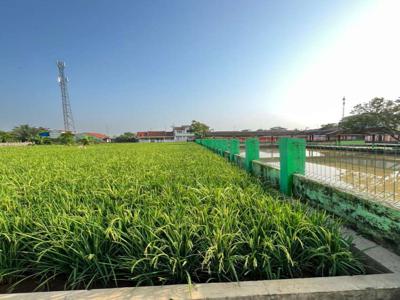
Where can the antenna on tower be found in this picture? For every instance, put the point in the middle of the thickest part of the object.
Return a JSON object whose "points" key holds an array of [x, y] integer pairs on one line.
{"points": [[69, 124], [344, 104]]}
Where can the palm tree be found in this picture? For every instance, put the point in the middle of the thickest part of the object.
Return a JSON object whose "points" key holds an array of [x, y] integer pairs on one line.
{"points": [[25, 133]]}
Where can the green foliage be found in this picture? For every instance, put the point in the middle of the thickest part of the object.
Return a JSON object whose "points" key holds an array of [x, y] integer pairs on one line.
{"points": [[329, 126], [67, 138], [47, 141], [84, 141], [278, 128], [199, 129], [153, 214], [377, 114], [87, 140], [25, 133], [127, 137], [6, 137]]}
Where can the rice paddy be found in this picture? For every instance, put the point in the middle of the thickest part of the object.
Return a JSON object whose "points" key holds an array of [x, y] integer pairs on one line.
{"points": [[150, 214]]}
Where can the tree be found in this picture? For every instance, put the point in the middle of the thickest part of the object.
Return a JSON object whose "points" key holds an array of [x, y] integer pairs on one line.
{"points": [[25, 133], [46, 141], [67, 138], [6, 137], [377, 114], [85, 141], [126, 137], [329, 126], [278, 128], [199, 129]]}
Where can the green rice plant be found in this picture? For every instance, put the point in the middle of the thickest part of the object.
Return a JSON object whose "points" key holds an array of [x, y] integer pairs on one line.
{"points": [[149, 214]]}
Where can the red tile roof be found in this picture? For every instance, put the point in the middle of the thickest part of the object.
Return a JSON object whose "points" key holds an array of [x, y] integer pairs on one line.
{"points": [[97, 135], [148, 134]]}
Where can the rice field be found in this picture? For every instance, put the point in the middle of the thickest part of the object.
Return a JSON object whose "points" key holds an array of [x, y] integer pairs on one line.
{"points": [[151, 214]]}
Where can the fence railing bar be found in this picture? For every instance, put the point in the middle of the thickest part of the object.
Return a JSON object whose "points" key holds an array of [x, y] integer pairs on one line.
{"points": [[372, 171]]}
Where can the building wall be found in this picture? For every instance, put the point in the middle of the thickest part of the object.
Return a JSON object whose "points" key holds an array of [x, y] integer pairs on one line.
{"points": [[381, 138], [182, 134], [54, 134], [155, 140]]}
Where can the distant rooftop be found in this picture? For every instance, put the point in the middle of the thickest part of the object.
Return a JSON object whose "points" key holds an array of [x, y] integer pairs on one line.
{"points": [[96, 135], [154, 134], [182, 127]]}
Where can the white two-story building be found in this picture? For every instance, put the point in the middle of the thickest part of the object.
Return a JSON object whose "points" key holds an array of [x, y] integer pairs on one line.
{"points": [[182, 134]]}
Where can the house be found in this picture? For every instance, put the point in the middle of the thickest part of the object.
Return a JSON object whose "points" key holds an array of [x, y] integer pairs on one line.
{"points": [[272, 135], [264, 136], [380, 136], [182, 133], [320, 134], [97, 136], [178, 134], [155, 136]]}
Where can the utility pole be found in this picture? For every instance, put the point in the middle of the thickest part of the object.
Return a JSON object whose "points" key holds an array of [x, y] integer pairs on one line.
{"points": [[69, 124], [344, 104]]}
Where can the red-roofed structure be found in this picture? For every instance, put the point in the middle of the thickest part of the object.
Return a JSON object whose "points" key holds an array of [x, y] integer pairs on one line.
{"points": [[155, 136], [99, 136]]}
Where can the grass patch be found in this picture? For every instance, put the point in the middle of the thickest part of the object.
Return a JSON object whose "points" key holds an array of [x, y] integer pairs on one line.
{"points": [[150, 214]]}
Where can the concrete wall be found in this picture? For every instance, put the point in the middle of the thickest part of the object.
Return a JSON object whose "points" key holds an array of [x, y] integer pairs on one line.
{"points": [[16, 144], [366, 287], [378, 221], [268, 173]]}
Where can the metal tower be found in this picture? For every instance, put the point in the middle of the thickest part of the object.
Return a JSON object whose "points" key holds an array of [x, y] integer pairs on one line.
{"points": [[344, 104], [66, 105]]}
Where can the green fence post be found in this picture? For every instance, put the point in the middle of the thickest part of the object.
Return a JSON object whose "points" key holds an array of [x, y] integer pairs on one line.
{"points": [[224, 147], [292, 154], [234, 148], [252, 152]]}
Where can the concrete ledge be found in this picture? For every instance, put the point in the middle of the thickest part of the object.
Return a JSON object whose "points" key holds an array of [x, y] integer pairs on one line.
{"points": [[268, 173], [364, 287], [376, 220]]}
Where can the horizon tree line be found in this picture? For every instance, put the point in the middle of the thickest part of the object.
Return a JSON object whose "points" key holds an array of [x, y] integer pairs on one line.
{"points": [[377, 114]]}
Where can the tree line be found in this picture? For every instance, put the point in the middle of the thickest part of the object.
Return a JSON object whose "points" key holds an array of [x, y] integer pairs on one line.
{"points": [[26, 133], [21, 133], [377, 115]]}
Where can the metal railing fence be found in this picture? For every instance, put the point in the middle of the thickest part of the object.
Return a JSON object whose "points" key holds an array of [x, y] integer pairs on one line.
{"points": [[371, 171]]}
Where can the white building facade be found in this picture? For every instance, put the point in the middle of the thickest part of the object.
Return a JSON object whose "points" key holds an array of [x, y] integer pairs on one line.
{"points": [[182, 134]]}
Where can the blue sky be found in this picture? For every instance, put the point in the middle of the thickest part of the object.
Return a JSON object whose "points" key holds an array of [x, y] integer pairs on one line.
{"points": [[141, 65]]}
